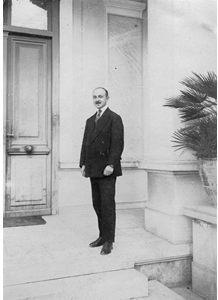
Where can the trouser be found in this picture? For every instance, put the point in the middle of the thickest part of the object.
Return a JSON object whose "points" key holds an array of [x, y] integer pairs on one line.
{"points": [[103, 199]]}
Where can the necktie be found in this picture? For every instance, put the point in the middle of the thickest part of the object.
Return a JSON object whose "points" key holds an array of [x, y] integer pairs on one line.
{"points": [[98, 116]]}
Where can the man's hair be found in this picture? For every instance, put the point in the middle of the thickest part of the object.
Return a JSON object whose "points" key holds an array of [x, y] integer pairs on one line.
{"points": [[106, 92]]}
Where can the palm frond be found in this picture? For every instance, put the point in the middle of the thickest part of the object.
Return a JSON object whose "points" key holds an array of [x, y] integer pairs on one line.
{"points": [[197, 105], [198, 100], [199, 138], [205, 84], [194, 112]]}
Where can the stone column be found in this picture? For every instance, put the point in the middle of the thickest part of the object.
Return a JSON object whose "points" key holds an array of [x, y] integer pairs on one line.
{"points": [[174, 50]]}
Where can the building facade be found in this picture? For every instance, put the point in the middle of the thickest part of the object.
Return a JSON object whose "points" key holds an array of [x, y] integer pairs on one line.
{"points": [[55, 54]]}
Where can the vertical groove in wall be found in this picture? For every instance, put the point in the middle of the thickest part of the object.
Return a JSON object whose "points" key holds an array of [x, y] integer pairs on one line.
{"points": [[125, 76], [145, 81]]}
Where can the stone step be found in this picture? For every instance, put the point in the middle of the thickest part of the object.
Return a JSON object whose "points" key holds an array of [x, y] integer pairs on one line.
{"points": [[117, 285], [158, 291], [186, 293], [170, 271]]}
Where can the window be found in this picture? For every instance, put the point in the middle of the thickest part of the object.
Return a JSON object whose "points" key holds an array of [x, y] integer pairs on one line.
{"points": [[34, 14]]}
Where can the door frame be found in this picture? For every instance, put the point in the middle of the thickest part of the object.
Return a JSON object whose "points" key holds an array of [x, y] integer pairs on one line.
{"points": [[53, 34]]}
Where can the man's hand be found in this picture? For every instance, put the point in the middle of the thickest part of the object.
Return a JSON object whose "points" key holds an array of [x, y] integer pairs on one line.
{"points": [[83, 171], [108, 170]]}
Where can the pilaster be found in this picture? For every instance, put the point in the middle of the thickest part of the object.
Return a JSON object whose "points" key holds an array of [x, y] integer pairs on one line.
{"points": [[204, 265]]}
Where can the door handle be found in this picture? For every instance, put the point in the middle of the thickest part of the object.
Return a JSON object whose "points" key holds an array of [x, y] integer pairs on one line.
{"points": [[10, 134], [29, 148]]}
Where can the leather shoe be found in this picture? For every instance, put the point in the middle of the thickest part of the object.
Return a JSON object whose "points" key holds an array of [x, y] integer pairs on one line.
{"points": [[107, 247], [96, 243]]}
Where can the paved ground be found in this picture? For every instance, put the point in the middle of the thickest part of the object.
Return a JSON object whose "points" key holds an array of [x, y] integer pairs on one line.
{"points": [[43, 260]]}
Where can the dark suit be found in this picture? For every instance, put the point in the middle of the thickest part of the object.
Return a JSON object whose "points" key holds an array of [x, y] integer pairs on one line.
{"points": [[103, 145]]}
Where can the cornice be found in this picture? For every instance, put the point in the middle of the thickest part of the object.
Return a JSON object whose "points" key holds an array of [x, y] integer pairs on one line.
{"points": [[125, 8]]}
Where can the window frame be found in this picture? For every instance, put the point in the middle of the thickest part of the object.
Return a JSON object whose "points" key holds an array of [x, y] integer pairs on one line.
{"points": [[7, 8]]}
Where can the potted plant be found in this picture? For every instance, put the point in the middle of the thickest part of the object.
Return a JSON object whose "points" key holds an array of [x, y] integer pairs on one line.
{"points": [[197, 107]]}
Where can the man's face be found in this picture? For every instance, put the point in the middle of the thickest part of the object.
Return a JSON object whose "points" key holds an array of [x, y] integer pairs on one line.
{"points": [[99, 98]]}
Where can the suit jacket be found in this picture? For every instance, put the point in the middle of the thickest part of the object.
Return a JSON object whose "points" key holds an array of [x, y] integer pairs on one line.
{"points": [[102, 144]]}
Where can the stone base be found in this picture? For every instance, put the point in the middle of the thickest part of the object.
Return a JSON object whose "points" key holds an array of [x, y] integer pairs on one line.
{"points": [[168, 193], [204, 266], [175, 229], [204, 282], [205, 245]]}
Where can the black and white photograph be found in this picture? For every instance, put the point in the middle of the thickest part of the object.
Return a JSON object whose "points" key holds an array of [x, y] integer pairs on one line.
{"points": [[109, 149]]}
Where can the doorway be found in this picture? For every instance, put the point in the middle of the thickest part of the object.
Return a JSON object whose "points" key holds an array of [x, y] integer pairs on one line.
{"points": [[30, 116]]}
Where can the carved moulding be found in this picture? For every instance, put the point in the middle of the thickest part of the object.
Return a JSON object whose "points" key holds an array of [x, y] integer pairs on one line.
{"points": [[125, 8]]}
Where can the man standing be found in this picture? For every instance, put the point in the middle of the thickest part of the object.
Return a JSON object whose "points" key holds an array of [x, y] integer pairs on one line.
{"points": [[102, 146]]}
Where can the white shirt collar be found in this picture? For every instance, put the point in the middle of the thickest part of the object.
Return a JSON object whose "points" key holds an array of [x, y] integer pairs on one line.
{"points": [[103, 109]]}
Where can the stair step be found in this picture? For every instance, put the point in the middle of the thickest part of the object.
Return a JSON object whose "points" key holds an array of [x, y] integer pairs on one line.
{"points": [[158, 291], [186, 293], [117, 285], [170, 271]]}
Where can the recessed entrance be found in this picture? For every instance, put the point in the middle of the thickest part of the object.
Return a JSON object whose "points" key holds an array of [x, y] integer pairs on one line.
{"points": [[29, 60]]}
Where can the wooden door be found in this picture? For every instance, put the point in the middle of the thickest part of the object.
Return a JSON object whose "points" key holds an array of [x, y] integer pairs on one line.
{"points": [[28, 180]]}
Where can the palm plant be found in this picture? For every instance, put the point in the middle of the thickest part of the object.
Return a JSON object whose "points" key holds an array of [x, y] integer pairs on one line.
{"points": [[197, 107]]}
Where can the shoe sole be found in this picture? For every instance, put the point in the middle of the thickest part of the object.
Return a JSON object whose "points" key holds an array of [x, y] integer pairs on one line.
{"points": [[103, 253], [95, 246]]}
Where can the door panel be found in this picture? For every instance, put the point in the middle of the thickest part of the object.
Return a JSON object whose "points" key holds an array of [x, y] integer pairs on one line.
{"points": [[29, 124], [29, 107], [28, 101], [28, 176]]}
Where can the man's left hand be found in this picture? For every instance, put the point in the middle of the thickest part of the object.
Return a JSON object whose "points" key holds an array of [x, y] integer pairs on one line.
{"points": [[108, 170]]}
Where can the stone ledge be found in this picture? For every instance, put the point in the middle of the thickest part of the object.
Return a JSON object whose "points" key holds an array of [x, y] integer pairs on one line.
{"points": [[149, 166], [205, 213], [167, 166]]}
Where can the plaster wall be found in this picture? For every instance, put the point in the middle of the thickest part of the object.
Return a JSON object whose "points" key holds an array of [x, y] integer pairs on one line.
{"points": [[99, 47], [77, 191], [181, 40]]}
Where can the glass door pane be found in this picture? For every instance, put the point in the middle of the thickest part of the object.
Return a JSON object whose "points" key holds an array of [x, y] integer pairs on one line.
{"points": [[30, 14]]}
